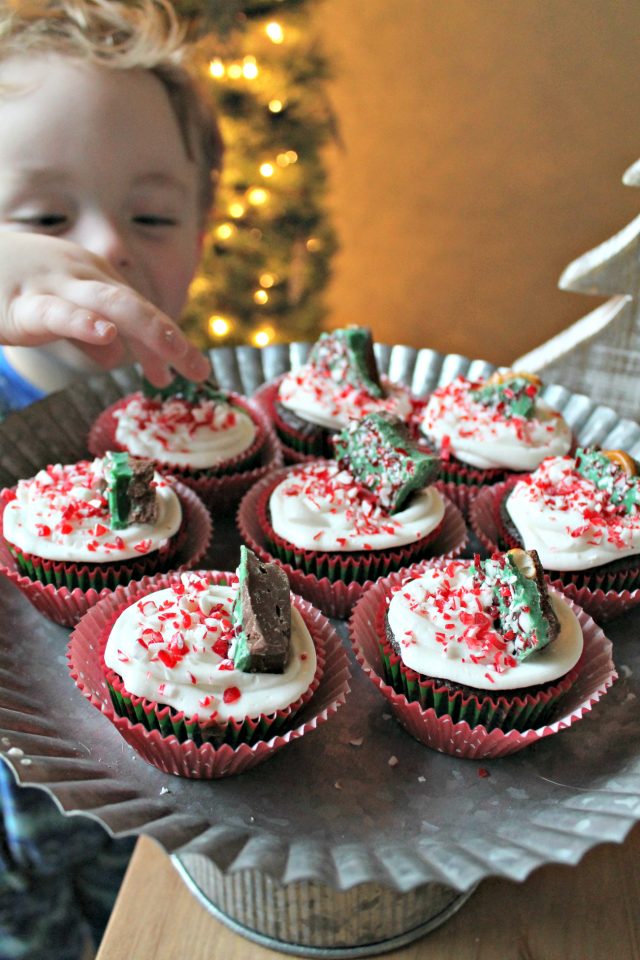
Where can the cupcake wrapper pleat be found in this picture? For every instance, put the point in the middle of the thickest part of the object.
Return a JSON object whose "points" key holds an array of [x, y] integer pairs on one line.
{"points": [[465, 726], [187, 746]]}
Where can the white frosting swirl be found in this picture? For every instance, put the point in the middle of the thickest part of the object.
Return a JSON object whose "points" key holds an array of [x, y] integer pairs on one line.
{"points": [[443, 629], [315, 396], [484, 438], [62, 514], [172, 647], [184, 434], [320, 507], [572, 524]]}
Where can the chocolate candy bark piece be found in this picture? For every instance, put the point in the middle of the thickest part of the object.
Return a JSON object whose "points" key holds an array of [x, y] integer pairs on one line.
{"points": [[378, 452], [184, 389], [347, 356], [510, 394], [527, 620], [261, 616], [130, 492], [613, 471]]}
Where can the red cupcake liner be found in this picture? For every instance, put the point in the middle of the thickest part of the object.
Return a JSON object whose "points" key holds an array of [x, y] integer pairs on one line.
{"points": [[66, 605], [207, 760], [336, 595], [603, 594], [595, 673], [219, 487]]}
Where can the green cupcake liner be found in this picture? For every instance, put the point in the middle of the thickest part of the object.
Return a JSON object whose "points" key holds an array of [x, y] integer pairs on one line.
{"points": [[520, 712]]}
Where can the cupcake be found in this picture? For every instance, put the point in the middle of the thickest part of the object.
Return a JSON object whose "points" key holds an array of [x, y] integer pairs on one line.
{"points": [[479, 657], [339, 382], [214, 441], [486, 430], [581, 514], [209, 673], [77, 529], [338, 525]]}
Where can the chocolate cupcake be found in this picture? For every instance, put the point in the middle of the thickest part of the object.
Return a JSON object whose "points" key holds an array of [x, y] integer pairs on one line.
{"points": [[207, 674], [478, 657], [485, 431], [76, 530], [216, 442], [338, 525], [339, 382], [581, 514]]}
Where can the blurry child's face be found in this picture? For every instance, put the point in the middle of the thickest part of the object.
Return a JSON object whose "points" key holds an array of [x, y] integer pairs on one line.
{"points": [[95, 155]]}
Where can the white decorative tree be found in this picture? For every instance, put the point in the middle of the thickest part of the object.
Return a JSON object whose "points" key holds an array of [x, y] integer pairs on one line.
{"points": [[600, 354]]}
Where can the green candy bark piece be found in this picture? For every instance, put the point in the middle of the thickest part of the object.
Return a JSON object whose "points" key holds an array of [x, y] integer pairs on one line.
{"points": [[261, 616], [526, 618], [184, 389], [622, 489], [347, 356], [380, 455], [131, 497], [515, 397]]}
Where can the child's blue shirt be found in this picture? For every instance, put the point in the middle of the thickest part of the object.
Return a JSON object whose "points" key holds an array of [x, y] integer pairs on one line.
{"points": [[15, 391]]}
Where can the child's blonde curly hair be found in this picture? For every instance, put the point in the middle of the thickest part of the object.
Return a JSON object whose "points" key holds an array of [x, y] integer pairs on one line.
{"points": [[139, 34]]}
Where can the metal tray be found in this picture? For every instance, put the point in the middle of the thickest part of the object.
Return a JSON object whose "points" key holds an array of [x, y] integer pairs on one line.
{"points": [[327, 849]]}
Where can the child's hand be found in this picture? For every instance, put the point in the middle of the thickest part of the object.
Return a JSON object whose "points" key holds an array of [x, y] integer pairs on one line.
{"points": [[52, 289]]}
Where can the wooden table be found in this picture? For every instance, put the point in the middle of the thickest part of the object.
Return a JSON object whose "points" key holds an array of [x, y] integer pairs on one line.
{"points": [[587, 912]]}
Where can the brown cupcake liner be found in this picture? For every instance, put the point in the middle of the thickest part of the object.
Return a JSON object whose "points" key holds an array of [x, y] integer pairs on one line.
{"points": [[209, 759], [605, 592], [219, 487], [60, 598], [593, 675], [335, 581]]}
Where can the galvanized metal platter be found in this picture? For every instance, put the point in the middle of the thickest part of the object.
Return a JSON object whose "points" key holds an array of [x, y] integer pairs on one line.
{"points": [[327, 849]]}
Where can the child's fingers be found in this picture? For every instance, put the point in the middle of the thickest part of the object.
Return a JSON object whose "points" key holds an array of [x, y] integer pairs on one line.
{"points": [[156, 338], [38, 319]]}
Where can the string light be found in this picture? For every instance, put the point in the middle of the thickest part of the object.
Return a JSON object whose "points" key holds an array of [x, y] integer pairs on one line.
{"points": [[267, 169], [216, 68], [234, 70], [274, 31], [257, 197], [219, 326], [261, 297], [250, 68], [276, 106], [263, 336], [267, 280], [313, 245], [237, 210], [199, 286], [225, 231]]}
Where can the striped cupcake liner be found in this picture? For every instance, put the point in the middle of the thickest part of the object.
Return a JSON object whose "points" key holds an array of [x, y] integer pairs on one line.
{"points": [[63, 592], [187, 746], [465, 725]]}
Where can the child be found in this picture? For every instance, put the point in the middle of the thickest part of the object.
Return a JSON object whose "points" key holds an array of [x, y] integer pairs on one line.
{"points": [[106, 160]]}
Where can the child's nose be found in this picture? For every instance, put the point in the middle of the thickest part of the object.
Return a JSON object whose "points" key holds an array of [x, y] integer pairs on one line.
{"points": [[104, 238]]}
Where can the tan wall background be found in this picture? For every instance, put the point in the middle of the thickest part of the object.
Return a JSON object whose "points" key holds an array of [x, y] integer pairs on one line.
{"points": [[484, 145]]}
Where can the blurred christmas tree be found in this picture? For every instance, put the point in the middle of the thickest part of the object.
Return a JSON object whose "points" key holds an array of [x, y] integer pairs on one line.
{"points": [[267, 254]]}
